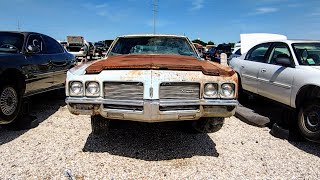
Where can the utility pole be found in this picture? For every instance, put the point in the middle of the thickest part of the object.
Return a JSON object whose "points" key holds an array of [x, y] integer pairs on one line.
{"points": [[154, 15]]}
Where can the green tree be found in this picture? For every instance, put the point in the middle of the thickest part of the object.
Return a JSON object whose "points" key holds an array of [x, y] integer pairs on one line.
{"points": [[232, 45], [210, 43], [199, 42]]}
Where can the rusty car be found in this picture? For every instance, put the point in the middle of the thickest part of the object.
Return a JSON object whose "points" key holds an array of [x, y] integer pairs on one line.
{"points": [[153, 78]]}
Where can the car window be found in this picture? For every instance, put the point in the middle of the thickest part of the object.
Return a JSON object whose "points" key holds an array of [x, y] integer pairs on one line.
{"points": [[10, 42], [238, 52], [258, 52], [36, 40], [279, 50], [52, 46], [308, 54]]}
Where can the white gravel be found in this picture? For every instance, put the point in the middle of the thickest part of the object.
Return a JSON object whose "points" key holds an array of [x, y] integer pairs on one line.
{"points": [[62, 145]]}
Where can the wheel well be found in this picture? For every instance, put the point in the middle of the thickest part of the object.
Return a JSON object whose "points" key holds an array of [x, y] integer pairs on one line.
{"points": [[307, 92], [14, 76], [239, 81]]}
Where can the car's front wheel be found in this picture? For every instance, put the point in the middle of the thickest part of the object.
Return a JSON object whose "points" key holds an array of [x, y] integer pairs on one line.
{"points": [[208, 124], [309, 120], [10, 103], [99, 125]]}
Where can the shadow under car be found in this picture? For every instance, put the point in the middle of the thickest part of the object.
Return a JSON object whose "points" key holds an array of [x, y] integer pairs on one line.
{"points": [[151, 141]]}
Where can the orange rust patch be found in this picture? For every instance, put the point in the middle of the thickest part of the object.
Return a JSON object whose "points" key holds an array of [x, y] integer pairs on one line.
{"points": [[135, 73], [163, 62]]}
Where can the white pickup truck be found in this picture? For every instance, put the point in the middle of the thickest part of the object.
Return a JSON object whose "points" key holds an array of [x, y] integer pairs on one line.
{"points": [[286, 71]]}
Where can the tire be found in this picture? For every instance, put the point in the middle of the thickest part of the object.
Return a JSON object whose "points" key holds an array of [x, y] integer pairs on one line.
{"points": [[207, 125], [99, 125], [309, 120], [10, 103]]}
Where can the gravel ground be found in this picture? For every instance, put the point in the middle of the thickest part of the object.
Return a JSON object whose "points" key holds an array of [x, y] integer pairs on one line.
{"points": [[62, 145]]}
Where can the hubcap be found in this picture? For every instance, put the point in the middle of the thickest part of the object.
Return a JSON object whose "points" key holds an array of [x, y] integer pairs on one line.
{"points": [[8, 101], [312, 118]]}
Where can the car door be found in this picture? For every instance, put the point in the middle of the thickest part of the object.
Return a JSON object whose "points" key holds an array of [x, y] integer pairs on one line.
{"points": [[251, 65], [275, 81], [58, 59], [38, 68]]}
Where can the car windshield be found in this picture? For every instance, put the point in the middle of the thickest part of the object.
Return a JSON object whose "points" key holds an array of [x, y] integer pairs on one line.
{"points": [[152, 45], [10, 42], [307, 53]]}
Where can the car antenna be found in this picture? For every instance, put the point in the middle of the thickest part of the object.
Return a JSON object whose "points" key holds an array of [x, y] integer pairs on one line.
{"points": [[154, 15]]}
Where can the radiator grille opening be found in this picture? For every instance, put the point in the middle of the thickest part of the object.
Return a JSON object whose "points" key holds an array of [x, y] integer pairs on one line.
{"points": [[178, 108], [123, 107]]}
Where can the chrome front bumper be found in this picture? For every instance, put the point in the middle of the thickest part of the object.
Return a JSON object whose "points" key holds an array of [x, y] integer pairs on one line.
{"points": [[150, 109]]}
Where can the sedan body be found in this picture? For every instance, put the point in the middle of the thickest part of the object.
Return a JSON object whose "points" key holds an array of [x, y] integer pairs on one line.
{"points": [[152, 78], [30, 63], [287, 72]]}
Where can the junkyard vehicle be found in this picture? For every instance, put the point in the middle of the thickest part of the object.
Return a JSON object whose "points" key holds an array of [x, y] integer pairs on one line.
{"points": [[236, 52], [199, 48], [30, 63], [286, 71], [99, 48], [91, 50], [78, 46], [153, 78], [64, 44]]}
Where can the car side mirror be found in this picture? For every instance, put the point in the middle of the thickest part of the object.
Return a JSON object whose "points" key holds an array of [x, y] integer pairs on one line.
{"points": [[31, 49], [283, 61]]}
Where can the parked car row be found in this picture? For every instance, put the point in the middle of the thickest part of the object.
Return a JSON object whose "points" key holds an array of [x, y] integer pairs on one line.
{"points": [[157, 78], [213, 53], [287, 72], [81, 48]]}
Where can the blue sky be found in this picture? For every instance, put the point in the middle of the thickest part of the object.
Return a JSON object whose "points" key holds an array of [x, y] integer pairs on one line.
{"points": [[216, 20]]}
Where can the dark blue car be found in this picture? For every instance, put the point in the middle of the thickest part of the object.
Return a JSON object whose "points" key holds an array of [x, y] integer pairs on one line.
{"points": [[30, 63]]}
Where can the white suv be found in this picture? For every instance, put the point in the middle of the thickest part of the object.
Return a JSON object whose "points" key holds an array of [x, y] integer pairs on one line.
{"points": [[288, 72]]}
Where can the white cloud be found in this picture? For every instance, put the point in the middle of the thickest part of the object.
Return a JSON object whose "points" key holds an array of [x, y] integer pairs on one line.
{"points": [[94, 7], [98, 6], [314, 13], [197, 5], [265, 10], [104, 10]]}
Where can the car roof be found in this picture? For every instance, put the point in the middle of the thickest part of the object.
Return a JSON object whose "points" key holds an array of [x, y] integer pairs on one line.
{"points": [[22, 32], [152, 35], [291, 41]]}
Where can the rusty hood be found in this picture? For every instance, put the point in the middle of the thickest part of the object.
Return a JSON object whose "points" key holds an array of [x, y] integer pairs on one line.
{"points": [[163, 62]]}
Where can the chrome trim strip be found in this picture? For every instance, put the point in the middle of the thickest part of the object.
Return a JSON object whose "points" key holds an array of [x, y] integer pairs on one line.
{"points": [[274, 83], [249, 77], [204, 102], [100, 100]]}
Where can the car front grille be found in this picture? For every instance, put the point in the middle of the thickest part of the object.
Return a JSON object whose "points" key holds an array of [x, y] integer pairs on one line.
{"points": [[123, 90], [179, 90]]}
